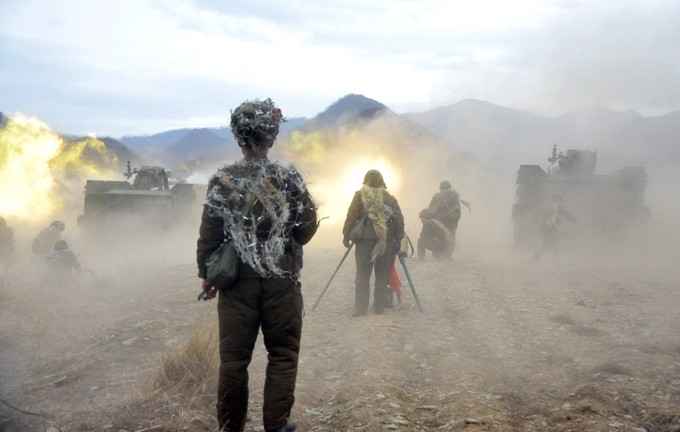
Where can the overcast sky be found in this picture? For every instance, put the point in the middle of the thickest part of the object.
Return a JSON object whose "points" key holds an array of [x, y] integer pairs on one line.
{"points": [[143, 66]]}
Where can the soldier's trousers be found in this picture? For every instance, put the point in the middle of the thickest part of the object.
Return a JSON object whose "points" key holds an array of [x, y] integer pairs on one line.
{"points": [[549, 242], [362, 281], [274, 305], [440, 247]]}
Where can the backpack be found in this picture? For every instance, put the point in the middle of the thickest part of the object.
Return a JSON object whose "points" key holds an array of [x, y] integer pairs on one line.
{"points": [[447, 212]]}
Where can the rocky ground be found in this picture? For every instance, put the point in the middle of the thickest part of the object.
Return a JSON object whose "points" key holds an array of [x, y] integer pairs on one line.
{"points": [[575, 344]]}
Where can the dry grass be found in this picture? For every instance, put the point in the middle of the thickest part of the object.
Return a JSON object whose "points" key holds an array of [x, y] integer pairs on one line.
{"points": [[191, 368], [181, 396]]}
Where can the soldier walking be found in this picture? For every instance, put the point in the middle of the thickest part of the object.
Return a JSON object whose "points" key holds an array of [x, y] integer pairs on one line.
{"points": [[549, 220], [445, 207]]}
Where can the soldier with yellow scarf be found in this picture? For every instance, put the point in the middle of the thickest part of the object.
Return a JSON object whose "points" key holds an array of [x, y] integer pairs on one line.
{"points": [[377, 226]]}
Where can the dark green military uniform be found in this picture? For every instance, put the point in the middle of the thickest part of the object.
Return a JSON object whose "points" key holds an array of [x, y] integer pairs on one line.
{"points": [[433, 237], [365, 247], [44, 242], [60, 265], [445, 206], [270, 302]]}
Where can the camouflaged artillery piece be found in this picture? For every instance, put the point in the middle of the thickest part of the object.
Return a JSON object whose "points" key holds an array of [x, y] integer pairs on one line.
{"points": [[608, 207], [148, 199]]}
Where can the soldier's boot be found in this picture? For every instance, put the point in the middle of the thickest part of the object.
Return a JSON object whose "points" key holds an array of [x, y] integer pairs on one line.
{"points": [[291, 426], [389, 299]]}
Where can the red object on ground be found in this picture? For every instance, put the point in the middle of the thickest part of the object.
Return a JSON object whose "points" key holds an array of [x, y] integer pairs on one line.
{"points": [[395, 283]]}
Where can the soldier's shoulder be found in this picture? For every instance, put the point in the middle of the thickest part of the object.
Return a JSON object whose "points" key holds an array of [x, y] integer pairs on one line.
{"points": [[390, 198], [230, 170]]}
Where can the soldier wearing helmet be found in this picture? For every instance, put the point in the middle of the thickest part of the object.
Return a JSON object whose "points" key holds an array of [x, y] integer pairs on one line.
{"points": [[445, 207], [267, 212], [380, 227], [44, 242], [434, 236]]}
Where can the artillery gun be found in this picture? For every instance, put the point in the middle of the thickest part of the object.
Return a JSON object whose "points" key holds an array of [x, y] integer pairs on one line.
{"points": [[147, 199], [608, 207]]}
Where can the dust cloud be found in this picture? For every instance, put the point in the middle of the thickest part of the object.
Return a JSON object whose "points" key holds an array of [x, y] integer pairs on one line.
{"points": [[413, 163], [501, 340]]}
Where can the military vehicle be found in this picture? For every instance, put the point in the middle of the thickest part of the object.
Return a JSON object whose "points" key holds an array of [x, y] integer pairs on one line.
{"points": [[146, 199], [608, 207]]}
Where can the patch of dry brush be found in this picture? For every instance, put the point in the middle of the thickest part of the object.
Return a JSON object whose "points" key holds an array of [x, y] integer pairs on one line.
{"points": [[181, 395]]}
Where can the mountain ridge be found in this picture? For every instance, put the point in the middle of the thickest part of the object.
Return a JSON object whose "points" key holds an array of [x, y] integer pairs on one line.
{"points": [[494, 134]]}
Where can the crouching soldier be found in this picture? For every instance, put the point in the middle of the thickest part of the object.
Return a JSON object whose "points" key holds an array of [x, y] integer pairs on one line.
{"points": [[46, 239], [445, 207], [434, 236], [60, 265]]}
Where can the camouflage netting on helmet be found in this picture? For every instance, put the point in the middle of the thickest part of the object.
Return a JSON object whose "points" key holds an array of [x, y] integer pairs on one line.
{"points": [[260, 204], [379, 214], [256, 123]]}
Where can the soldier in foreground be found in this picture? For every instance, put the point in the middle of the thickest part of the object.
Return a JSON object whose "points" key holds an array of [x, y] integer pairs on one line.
{"points": [[268, 213], [374, 215]]}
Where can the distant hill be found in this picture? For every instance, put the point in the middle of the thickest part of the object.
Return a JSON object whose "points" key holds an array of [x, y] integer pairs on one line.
{"points": [[178, 148], [355, 134], [487, 131], [496, 136], [343, 110], [505, 137]]}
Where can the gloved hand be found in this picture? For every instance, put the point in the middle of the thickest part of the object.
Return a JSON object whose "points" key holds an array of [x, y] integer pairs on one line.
{"points": [[396, 244], [345, 241]]}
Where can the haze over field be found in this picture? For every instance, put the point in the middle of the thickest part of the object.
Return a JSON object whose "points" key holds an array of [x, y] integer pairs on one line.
{"points": [[421, 90]]}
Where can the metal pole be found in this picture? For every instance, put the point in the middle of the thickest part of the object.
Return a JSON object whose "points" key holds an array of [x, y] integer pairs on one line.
{"points": [[334, 273], [410, 282]]}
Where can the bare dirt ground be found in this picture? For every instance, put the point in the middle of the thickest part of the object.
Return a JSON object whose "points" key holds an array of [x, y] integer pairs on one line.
{"points": [[501, 345]]}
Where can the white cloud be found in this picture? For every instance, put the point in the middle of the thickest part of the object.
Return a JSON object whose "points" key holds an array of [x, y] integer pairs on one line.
{"points": [[110, 59]]}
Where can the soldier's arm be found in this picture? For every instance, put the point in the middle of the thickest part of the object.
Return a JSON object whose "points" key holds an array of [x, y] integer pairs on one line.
{"points": [[353, 214], [397, 220], [303, 208], [433, 203], [210, 237], [306, 223]]}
